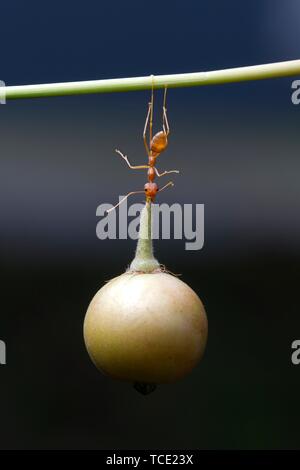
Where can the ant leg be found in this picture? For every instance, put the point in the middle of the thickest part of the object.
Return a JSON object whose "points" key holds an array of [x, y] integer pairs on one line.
{"points": [[124, 198], [165, 172], [170, 183], [145, 129], [133, 167], [166, 126], [151, 113], [149, 120]]}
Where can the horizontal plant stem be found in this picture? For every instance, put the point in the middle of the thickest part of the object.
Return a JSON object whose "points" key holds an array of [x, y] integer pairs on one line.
{"points": [[256, 72]]}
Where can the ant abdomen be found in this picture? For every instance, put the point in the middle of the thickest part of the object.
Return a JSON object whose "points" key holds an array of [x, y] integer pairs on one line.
{"points": [[159, 142]]}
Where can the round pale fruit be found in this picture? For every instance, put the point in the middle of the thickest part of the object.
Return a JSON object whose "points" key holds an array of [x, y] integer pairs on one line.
{"points": [[148, 328]]}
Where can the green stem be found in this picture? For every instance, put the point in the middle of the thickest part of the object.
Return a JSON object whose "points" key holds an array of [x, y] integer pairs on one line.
{"points": [[144, 260], [256, 72]]}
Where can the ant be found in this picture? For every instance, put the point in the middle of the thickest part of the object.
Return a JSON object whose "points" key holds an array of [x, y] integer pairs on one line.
{"points": [[157, 144]]}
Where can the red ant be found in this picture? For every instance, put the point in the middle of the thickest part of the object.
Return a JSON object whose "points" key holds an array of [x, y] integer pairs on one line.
{"points": [[157, 145]]}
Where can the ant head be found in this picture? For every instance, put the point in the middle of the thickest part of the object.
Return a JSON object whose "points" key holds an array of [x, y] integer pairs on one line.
{"points": [[151, 190], [159, 142]]}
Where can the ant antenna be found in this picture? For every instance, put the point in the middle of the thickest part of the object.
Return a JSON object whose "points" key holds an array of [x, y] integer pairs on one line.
{"points": [[124, 198]]}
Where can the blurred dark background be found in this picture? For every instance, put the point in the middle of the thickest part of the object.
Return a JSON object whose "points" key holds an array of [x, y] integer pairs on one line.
{"points": [[237, 147]]}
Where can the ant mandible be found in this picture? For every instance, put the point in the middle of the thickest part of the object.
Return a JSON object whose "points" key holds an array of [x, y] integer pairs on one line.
{"points": [[157, 144]]}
